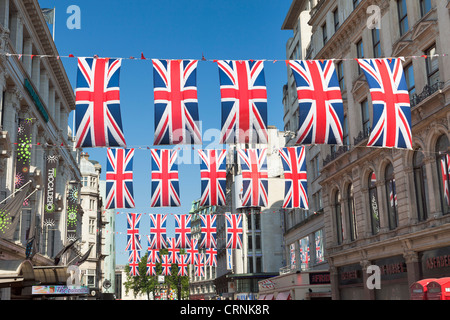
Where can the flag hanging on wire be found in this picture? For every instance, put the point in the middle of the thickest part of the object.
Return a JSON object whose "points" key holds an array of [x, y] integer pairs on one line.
{"points": [[165, 184], [98, 121], [183, 265], [166, 266], [192, 251], [445, 174], [208, 231], [321, 111], [213, 172], [183, 230], [133, 237], [244, 101], [172, 250], [234, 231], [176, 104], [295, 187], [134, 257], [391, 125], [254, 177], [199, 266], [157, 239], [119, 178], [211, 257]]}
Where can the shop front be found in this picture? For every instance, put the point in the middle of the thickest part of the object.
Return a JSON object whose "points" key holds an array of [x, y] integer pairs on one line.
{"points": [[350, 282], [394, 279]]}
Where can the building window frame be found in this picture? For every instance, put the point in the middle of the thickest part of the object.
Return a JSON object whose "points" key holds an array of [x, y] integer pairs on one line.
{"points": [[338, 216], [376, 43], [351, 213], [442, 162], [425, 7], [432, 65], [373, 203], [365, 116], [420, 184], [402, 16], [391, 196]]}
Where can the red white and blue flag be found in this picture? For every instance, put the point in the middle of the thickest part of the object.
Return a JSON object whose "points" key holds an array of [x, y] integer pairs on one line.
{"points": [[153, 255], [151, 266], [295, 186], [244, 101], [199, 266], [183, 230], [213, 172], [321, 111], [173, 251], [234, 231], [254, 177], [119, 178], [192, 251], [165, 184], [208, 231], [157, 239], [391, 125], [445, 172], [183, 265], [166, 265], [133, 237], [134, 257], [176, 104], [98, 122], [211, 257]]}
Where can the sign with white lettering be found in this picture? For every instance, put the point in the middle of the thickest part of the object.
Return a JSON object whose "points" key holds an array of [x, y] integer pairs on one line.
{"points": [[59, 290]]}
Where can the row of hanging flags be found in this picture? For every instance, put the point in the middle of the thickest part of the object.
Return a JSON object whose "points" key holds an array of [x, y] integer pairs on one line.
{"points": [[244, 120], [98, 121], [183, 241], [165, 184]]}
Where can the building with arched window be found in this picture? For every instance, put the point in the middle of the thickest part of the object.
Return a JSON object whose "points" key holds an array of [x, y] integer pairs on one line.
{"points": [[385, 206]]}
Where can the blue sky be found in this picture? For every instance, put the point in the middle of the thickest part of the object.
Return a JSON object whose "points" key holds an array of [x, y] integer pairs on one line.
{"points": [[169, 29]]}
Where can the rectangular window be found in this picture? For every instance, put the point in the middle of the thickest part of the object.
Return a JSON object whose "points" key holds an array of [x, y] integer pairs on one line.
{"points": [[409, 76], [324, 33], [359, 53], [376, 43], [340, 75], [336, 19], [91, 225], [365, 117], [425, 6], [345, 135], [402, 16], [432, 65]]}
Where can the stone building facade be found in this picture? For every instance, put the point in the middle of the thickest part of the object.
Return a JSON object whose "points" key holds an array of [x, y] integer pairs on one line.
{"points": [[386, 207]]}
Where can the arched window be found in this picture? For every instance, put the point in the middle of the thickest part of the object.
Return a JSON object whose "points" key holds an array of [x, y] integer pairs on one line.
{"points": [[338, 215], [351, 212], [443, 165], [373, 203], [391, 197], [420, 184]]}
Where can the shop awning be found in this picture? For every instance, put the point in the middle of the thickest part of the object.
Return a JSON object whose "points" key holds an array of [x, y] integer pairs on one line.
{"points": [[269, 297], [286, 295], [51, 274], [261, 297]]}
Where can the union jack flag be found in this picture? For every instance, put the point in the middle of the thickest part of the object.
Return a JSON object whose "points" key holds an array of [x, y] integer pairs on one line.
{"points": [[244, 101], [319, 247], [182, 265], [213, 177], [445, 171], [254, 177], [293, 261], [391, 105], [165, 184], [183, 230], [321, 111], [234, 231], [192, 251], [304, 250], [208, 231], [133, 237], [119, 178], [176, 104], [295, 185], [166, 265], [151, 266], [173, 251], [134, 258], [199, 265], [153, 255], [98, 121], [211, 257], [157, 239], [393, 195]]}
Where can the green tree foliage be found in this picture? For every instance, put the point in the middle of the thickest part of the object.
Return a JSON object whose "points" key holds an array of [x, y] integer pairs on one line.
{"points": [[144, 284]]}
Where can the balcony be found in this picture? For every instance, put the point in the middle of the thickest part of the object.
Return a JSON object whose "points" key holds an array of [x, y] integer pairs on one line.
{"points": [[427, 91]]}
